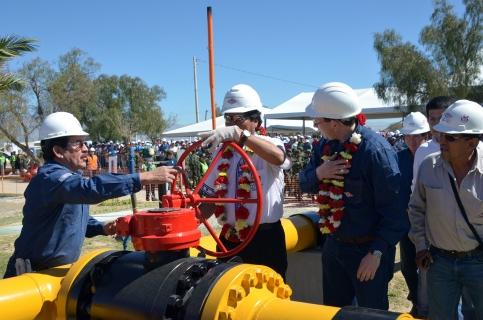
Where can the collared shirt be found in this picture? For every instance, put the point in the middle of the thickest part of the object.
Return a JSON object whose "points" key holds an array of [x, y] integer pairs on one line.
{"points": [[434, 213], [371, 191], [271, 177], [56, 213], [424, 150]]}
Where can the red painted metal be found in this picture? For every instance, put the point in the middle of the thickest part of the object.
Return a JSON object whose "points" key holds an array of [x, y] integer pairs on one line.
{"points": [[175, 226]]}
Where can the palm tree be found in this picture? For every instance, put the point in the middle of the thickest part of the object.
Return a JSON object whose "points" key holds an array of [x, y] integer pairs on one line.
{"points": [[11, 47]]}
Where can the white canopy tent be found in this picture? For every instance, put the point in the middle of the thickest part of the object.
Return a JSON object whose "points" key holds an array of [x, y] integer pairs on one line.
{"points": [[372, 106], [273, 125]]}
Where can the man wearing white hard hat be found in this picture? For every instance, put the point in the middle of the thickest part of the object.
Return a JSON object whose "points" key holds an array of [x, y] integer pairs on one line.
{"points": [[415, 131], [242, 109], [56, 213], [446, 212], [355, 174]]}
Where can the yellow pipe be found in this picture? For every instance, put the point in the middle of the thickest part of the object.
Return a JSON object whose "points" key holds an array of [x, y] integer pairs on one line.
{"points": [[31, 295], [300, 234], [253, 292]]}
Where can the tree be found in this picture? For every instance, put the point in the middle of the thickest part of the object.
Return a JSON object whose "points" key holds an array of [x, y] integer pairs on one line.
{"points": [[449, 65], [128, 107], [11, 47], [72, 89], [15, 118], [38, 75]]}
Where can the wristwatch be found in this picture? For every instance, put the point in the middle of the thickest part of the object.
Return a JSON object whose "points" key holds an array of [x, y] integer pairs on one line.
{"points": [[377, 253], [244, 136]]}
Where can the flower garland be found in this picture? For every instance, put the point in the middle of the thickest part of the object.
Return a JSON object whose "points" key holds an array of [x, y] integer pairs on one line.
{"points": [[331, 191], [238, 232]]}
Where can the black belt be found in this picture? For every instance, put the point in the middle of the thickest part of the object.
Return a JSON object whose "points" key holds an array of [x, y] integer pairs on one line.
{"points": [[459, 254], [355, 240]]}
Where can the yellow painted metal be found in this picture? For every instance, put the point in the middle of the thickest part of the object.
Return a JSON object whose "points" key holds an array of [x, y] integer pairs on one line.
{"points": [[31, 295], [300, 234], [253, 292], [257, 292], [70, 278]]}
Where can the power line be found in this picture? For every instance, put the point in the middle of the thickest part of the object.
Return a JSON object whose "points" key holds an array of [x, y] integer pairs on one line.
{"points": [[262, 75]]}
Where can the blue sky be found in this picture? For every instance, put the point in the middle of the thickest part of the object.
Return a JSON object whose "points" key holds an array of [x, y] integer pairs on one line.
{"points": [[305, 42]]}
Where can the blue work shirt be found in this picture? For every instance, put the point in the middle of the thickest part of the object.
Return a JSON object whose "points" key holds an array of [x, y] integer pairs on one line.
{"points": [[371, 191], [405, 160], [56, 213]]}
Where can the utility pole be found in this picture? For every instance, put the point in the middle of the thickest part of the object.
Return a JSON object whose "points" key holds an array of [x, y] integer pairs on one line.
{"points": [[195, 78]]}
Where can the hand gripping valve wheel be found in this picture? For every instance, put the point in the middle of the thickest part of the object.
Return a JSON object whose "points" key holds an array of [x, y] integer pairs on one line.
{"points": [[175, 226]]}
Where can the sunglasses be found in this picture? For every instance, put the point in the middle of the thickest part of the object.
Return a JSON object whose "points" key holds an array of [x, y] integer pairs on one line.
{"points": [[76, 145], [454, 137], [234, 118]]}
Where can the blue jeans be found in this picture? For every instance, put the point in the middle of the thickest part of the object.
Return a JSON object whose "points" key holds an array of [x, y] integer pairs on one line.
{"points": [[340, 262], [448, 277]]}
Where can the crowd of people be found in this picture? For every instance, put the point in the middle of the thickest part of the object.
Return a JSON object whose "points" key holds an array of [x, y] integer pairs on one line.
{"points": [[420, 187]]}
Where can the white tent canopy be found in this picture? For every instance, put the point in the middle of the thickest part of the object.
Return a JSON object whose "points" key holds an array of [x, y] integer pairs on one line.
{"points": [[193, 129], [372, 106]]}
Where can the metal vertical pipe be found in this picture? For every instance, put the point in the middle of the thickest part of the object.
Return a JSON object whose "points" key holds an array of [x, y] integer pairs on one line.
{"points": [[212, 68], [196, 89]]}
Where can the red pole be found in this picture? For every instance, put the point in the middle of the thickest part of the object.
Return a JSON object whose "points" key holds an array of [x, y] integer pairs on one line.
{"points": [[212, 68]]}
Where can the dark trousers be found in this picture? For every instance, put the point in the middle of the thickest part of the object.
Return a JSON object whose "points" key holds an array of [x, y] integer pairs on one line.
{"points": [[409, 268], [266, 248], [340, 262]]}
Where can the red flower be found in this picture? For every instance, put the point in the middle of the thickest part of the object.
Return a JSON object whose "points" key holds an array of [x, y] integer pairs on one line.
{"points": [[326, 150], [336, 203], [337, 216], [224, 230], [223, 167], [350, 147], [243, 193], [336, 190], [221, 180], [243, 180], [324, 187], [324, 213], [244, 232], [323, 199], [219, 210], [361, 118], [245, 167], [220, 193], [261, 131], [242, 213], [227, 154]]}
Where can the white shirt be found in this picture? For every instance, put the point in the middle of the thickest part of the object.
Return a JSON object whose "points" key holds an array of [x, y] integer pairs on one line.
{"points": [[272, 180], [424, 150]]}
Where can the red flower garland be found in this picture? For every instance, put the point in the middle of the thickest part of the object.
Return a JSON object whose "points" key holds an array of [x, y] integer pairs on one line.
{"points": [[331, 191]]}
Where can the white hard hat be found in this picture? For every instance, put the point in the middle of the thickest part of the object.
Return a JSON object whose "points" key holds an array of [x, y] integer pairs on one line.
{"points": [[164, 139], [241, 98], [415, 123], [334, 100], [92, 149], [60, 124], [463, 116]]}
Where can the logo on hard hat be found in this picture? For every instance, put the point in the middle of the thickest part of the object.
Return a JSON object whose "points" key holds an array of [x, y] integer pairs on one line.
{"points": [[446, 117], [465, 118], [231, 101]]}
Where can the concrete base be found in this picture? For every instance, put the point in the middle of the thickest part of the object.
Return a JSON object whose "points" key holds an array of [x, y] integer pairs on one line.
{"points": [[304, 275]]}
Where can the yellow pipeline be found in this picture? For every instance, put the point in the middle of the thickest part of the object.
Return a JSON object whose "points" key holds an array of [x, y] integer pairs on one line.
{"points": [[300, 234], [31, 295], [252, 292], [43, 294]]}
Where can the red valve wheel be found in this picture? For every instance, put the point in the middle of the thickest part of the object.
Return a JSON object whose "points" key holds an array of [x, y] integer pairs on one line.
{"points": [[196, 199]]}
